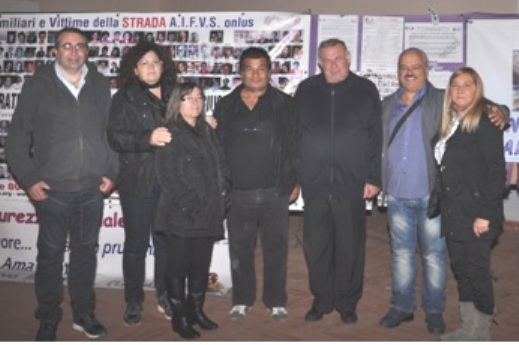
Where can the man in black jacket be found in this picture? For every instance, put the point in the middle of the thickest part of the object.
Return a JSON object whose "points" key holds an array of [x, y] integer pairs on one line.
{"points": [[256, 125], [340, 137], [58, 151]]}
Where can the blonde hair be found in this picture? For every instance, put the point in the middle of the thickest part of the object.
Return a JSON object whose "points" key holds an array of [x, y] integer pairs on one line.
{"points": [[469, 118]]}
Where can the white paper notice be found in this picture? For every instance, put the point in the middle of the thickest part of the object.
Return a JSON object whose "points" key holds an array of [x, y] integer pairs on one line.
{"points": [[442, 42], [382, 42], [345, 28]]}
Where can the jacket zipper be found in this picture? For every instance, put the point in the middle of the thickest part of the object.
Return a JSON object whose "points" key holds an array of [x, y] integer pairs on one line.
{"points": [[332, 140]]}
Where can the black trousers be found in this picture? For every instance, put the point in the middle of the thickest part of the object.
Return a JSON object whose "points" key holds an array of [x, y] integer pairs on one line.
{"points": [[139, 215], [187, 258], [334, 238], [470, 263], [77, 215], [265, 211]]}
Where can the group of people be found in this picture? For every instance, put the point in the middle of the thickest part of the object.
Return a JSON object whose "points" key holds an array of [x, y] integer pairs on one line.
{"points": [[180, 173]]}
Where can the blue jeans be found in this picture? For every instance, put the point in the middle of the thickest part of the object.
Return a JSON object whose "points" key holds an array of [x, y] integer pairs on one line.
{"points": [[409, 227], [78, 216]]}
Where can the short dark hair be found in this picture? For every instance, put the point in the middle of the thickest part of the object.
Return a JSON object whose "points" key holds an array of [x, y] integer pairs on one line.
{"points": [[255, 53], [73, 31]]}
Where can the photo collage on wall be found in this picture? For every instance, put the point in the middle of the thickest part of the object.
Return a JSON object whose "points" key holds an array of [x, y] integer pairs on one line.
{"points": [[210, 61]]}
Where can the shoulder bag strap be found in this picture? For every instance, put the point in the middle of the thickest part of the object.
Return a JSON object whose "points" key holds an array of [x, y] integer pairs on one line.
{"points": [[403, 119]]}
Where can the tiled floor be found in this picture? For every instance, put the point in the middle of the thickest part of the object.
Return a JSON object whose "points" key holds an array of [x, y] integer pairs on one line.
{"points": [[18, 302]]}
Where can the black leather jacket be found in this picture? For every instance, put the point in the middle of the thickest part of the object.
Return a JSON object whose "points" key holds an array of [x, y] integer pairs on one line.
{"points": [[134, 115]]}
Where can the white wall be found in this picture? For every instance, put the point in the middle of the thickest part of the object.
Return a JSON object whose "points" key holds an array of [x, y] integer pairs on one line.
{"points": [[376, 7]]}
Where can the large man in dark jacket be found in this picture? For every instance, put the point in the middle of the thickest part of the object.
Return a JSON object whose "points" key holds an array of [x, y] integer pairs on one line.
{"points": [[256, 125], [340, 137], [58, 151]]}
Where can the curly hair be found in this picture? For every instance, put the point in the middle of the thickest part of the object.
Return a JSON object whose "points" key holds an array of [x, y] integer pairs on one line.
{"points": [[129, 63]]}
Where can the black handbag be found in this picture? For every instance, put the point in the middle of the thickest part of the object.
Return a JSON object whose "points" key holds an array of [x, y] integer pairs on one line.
{"points": [[433, 208]]}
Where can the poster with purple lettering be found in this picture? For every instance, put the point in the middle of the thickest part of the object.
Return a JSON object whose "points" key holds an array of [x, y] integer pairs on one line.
{"points": [[205, 47]]}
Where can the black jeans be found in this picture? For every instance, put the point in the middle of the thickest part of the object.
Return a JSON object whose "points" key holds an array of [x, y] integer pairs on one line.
{"points": [[139, 217], [77, 215], [266, 210], [188, 258], [470, 263], [334, 238]]}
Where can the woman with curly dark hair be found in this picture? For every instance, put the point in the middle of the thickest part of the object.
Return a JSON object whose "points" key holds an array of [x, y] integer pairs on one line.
{"points": [[136, 128]]}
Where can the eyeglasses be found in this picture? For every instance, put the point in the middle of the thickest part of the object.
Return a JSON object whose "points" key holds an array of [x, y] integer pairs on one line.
{"points": [[70, 46], [193, 99]]}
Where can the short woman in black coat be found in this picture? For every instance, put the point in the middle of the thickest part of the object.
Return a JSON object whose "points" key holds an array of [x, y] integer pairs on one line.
{"points": [[471, 157], [193, 181]]}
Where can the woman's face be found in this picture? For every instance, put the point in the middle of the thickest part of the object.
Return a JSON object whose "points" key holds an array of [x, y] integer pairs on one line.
{"points": [[463, 91], [191, 105], [149, 68]]}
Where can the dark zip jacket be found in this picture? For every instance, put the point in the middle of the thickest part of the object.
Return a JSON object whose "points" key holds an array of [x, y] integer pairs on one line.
{"points": [[134, 115], [193, 181], [340, 136], [283, 142], [59, 139]]}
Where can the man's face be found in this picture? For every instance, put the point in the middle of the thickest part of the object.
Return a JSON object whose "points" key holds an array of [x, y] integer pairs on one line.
{"points": [[412, 71], [335, 63], [255, 74], [72, 52]]}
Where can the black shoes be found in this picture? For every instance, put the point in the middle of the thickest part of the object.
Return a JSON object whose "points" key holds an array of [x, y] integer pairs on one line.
{"points": [[348, 316], [132, 315], [47, 331], [313, 315], [435, 323], [395, 317], [89, 325]]}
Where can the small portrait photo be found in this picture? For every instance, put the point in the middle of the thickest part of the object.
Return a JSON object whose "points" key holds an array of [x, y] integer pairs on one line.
{"points": [[172, 36], [40, 53], [216, 36], [4, 127], [52, 37], [18, 53], [32, 37], [192, 51], [11, 37], [127, 37], [115, 53], [194, 38], [181, 67], [183, 36], [4, 171], [105, 37], [94, 37], [515, 68], [21, 37], [51, 52], [104, 51], [42, 37], [117, 37], [18, 66], [181, 51], [8, 66], [161, 37], [93, 51], [29, 67], [29, 52]]}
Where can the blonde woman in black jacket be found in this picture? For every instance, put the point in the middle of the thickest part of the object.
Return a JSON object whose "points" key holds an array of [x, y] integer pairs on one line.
{"points": [[471, 157], [193, 181]]}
